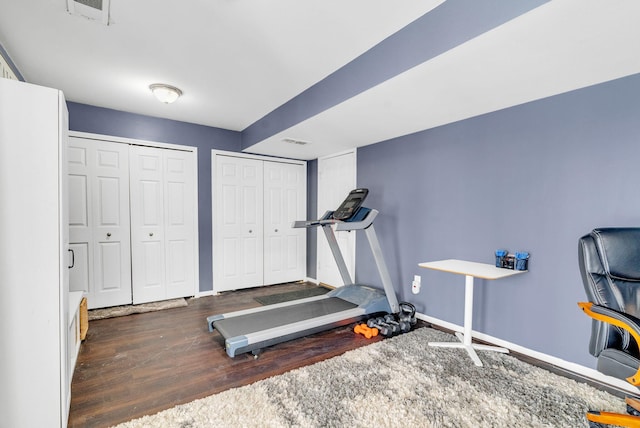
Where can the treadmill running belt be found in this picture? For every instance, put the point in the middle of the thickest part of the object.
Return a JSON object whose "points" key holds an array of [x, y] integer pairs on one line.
{"points": [[251, 323]]}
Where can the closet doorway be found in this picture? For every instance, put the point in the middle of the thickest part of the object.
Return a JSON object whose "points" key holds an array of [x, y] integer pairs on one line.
{"points": [[336, 178], [133, 220], [255, 201]]}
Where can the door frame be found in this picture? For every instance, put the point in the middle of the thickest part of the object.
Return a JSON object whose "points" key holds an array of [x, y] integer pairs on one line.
{"points": [[156, 144]]}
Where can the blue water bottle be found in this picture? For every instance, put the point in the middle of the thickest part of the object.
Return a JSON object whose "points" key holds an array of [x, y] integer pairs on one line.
{"points": [[500, 255], [522, 260]]}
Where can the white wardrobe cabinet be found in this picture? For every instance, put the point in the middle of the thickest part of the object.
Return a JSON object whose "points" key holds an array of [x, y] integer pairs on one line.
{"points": [[36, 331], [255, 202], [133, 221]]}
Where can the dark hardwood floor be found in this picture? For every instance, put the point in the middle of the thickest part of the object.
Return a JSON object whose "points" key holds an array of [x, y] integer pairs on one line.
{"points": [[141, 364]]}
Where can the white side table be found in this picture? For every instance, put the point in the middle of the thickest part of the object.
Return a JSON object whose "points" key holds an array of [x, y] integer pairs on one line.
{"points": [[470, 270]]}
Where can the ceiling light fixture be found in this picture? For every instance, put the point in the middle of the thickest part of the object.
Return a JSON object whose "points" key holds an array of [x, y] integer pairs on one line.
{"points": [[165, 93], [294, 141]]}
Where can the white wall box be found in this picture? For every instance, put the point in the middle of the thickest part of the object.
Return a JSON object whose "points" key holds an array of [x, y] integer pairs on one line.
{"points": [[133, 220], [36, 362], [255, 201]]}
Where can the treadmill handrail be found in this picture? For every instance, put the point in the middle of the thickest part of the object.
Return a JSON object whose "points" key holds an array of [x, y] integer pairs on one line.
{"points": [[340, 225], [367, 225]]}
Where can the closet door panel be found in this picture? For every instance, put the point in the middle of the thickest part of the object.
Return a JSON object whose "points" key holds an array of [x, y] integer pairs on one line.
{"points": [[179, 189], [237, 223], [79, 229], [99, 221], [112, 262], [80, 233], [292, 253], [78, 203], [177, 272], [147, 224], [230, 259], [163, 223], [79, 273], [284, 203], [108, 213], [110, 271], [151, 270]]}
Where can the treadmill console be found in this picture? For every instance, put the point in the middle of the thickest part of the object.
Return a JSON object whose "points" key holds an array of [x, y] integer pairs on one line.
{"points": [[350, 206]]}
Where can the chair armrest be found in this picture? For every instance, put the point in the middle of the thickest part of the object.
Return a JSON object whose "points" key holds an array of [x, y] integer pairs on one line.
{"points": [[619, 319]]}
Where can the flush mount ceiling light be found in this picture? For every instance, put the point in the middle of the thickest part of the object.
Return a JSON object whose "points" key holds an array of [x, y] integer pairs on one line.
{"points": [[165, 93]]}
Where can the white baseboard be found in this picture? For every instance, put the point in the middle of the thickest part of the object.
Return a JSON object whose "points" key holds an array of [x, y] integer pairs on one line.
{"points": [[565, 365], [312, 280]]}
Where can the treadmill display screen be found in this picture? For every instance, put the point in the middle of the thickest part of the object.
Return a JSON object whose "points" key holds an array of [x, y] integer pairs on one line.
{"points": [[350, 205]]}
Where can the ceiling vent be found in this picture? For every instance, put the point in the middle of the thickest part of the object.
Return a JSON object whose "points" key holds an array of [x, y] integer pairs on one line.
{"points": [[96, 10], [297, 142]]}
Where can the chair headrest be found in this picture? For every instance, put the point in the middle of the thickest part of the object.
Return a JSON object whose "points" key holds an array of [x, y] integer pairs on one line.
{"points": [[619, 249]]}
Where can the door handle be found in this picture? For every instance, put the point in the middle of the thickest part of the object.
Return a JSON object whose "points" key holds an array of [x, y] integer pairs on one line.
{"points": [[108, 234], [250, 230], [150, 233], [276, 230], [73, 258]]}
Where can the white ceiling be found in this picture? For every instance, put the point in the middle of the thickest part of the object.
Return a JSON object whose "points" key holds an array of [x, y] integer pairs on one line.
{"points": [[560, 46], [237, 60]]}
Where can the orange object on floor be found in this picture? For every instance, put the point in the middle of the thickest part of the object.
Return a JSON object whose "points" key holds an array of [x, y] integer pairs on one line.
{"points": [[366, 331], [84, 318]]}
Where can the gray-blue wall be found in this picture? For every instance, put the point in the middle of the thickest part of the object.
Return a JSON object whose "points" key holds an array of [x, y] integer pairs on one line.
{"points": [[85, 118], [534, 177]]}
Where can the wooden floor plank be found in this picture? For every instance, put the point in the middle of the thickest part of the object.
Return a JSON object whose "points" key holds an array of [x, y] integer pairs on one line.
{"points": [[141, 364]]}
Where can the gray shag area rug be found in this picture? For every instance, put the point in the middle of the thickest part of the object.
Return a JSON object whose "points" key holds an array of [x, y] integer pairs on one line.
{"points": [[399, 381], [120, 311]]}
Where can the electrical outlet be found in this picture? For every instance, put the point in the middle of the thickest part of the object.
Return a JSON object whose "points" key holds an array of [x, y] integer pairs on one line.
{"points": [[415, 285]]}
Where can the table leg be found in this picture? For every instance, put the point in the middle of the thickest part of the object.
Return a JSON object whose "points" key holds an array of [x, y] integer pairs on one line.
{"points": [[468, 309], [466, 337]]}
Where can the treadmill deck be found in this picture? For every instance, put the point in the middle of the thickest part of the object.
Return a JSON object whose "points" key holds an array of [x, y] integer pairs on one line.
{"points": [[278, 317]]}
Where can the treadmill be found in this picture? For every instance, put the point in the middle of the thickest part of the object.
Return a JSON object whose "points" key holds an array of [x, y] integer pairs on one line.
{"points": [[251, 330]]}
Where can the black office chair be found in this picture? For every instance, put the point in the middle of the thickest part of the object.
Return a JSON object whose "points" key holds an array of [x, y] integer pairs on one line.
{"points": [[610, 268]]}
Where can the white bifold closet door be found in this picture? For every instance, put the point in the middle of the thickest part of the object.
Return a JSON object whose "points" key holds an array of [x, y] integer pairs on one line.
{"points": [[255, 202], [99, 221], [162, 223], [237, 226], [284, 203], [132, 222]]}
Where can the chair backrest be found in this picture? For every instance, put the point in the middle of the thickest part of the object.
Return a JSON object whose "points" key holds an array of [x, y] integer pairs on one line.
{"points": [[609, 261]]}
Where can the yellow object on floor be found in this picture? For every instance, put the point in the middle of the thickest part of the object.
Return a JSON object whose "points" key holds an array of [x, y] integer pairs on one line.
{"points": [[84, 318]]}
